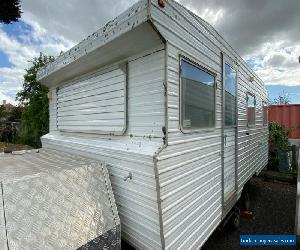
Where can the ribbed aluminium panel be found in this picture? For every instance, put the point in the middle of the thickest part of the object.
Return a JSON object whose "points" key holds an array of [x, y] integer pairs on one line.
{"points": [[136, 198], [131, 152], [52, 110], [190, 167], [146, 94], [229, 163], [94, 104], [189, 172], [252, 141]]}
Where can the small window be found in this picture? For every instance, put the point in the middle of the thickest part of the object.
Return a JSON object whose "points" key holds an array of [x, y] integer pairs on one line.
{"points": [[250, 109], [265, 113], [197, 97], [230, 96]]}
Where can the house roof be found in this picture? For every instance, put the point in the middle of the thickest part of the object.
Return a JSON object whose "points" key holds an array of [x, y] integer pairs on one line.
{"points": [[8, 106]]}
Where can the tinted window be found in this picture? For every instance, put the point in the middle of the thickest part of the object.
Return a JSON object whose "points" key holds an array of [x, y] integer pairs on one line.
{"points": [[250, 109], [197, 97], [230, 96]]}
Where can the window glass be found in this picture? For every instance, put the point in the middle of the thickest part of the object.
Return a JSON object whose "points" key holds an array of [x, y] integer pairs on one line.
{"points": [[251, 109], [265, 113], [230, 96], [197, 97]]}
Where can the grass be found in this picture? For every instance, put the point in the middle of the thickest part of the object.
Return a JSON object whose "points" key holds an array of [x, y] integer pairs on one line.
{"points": [[13, 147]]}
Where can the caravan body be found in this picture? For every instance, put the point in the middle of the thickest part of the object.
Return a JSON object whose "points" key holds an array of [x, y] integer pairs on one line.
{"points": [[178, 116]]}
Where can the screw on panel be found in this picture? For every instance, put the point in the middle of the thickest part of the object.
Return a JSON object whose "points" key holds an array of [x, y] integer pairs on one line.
{"points": [[161, 3], [128, 177]]}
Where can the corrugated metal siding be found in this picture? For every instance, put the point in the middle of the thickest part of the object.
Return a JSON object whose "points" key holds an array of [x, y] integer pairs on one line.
{"points": [[94, 104], [189, 171], [132, 152], [52, 110], [146, 115], [229, 163], [288, 116], [252, 148], [190, 167]]}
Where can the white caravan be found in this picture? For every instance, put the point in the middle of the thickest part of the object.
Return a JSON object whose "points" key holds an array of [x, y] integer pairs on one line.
{"points": [[176, 114]]}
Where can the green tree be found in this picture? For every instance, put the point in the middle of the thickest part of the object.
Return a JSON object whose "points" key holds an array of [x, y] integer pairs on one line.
{"points": [[278, 145], [10, 11], [3, 113], [16, 114], [33, 96]]}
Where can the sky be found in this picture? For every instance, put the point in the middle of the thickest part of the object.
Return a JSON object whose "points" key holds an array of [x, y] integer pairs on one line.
{"points": [[266, 33]]}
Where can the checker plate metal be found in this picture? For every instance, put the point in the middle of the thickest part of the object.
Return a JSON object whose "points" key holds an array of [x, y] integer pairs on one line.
{"points": [[65, 205]]}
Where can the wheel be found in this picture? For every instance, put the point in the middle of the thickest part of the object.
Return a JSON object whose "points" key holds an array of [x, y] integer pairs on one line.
{"points": [[234, 221], [245, 201]]}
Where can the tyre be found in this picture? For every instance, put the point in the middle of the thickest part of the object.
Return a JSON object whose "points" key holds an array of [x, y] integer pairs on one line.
{"points": [[234, 221], [246, 201]]}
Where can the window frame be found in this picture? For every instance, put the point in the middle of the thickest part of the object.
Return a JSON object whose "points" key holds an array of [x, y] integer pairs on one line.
{"points": [[254, 124], [228, 61], [209, 71], [264, 104]]}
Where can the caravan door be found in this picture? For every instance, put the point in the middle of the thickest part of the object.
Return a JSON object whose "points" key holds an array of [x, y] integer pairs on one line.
{"points": [[229, 138]]}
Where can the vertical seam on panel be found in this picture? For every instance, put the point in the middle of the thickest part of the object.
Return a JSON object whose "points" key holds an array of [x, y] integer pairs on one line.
{"points": [[149, 9], [126, 98], [106, 175], [56, 108], [155, 164], [237, 131], [166, 94], [222, 134], [159, 200]]}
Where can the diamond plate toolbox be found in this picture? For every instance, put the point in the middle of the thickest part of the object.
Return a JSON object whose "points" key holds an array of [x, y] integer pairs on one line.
{"points": [[55, 200]]}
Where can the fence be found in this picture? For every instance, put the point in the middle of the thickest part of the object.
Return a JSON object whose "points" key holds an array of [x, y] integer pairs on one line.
{"points": [[288, 116]]}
